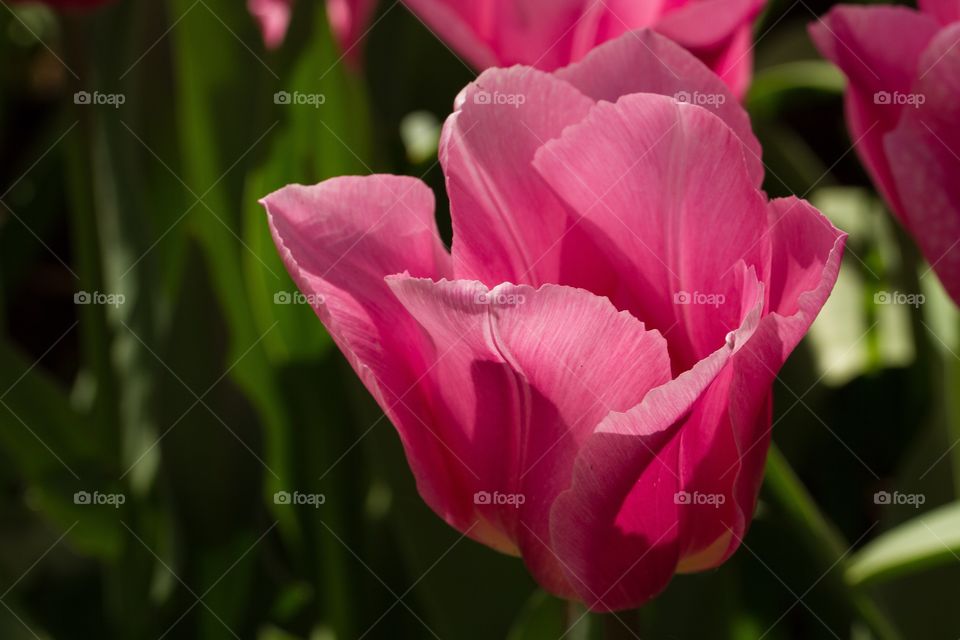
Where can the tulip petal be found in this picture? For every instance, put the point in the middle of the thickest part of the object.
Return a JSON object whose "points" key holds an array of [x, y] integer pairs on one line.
{"points": [[654, 180], [726, 437], [524, 389], [924, 153], [508, 225], [617, 527], [878, 48], [645, 62], [338, 240], [274, 19], [946, 11], [348, 21], [708, 24], [734, 61], [491, 33], [623, 528]]}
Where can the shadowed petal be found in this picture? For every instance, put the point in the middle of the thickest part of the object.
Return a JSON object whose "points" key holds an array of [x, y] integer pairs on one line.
{"points": [[924, 153], [508, 225], [878, 48], [524, 389], [338, 240]]}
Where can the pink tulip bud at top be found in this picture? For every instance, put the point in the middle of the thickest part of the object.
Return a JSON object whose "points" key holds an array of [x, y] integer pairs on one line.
{"points": [[549, 34]]}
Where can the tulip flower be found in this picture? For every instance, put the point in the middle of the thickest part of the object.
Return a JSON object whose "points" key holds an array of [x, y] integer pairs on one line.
{"points": [[903, 106], [273, 17], [348, 21], [584, 379], [548, 34]]}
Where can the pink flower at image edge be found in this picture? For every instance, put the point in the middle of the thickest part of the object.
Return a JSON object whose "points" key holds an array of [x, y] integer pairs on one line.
{"points": [[549, 34], [585, 379], [903, 110], [348, 21]]}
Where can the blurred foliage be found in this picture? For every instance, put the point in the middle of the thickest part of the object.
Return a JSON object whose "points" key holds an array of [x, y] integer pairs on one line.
{"points": [[210, 393]]}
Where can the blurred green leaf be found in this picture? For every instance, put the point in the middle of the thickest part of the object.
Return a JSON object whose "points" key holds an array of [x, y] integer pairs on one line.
{"points": [[775, 85], [860, 328], [926, 541], [542, 618], [208, 95], [315, 141]]}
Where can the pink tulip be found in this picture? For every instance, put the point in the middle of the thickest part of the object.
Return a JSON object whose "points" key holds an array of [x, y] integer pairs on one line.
{"points": [[585, 379], [903, 110], [549, 34], [348, 21], [274, 19]]}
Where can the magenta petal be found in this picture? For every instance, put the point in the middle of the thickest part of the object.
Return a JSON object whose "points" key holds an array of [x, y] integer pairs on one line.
{"points": [[645, 62], [489, 33], [708, 24], [924, 154], [339, 239], [521, 390], [878, 48], [273, 17], [726, 437], [349, 21], [733, 62], [617, 528], [946, 11], [654, 181], [508, 225]]}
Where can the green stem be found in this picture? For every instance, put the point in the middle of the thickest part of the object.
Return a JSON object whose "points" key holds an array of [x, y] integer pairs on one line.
{"points": [[823, 540], [952, 382]]}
